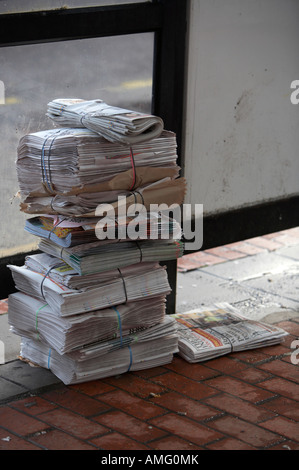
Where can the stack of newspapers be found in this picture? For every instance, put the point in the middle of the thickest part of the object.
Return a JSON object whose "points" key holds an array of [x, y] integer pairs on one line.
{"points": [[220, 329], [92, 302]]}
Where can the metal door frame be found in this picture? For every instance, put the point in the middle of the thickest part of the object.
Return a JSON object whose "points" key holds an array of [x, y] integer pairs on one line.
{"points": [[168, 20]]}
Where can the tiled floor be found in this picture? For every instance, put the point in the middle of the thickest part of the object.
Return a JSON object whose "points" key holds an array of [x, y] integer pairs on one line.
{"points": [[243, 401]]}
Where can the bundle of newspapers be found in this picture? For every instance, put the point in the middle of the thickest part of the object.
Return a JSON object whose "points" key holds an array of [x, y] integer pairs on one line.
{"points": [[113, 123], [211, 332], [151, 348], [92, 302], [74, 171], [66, 232]]}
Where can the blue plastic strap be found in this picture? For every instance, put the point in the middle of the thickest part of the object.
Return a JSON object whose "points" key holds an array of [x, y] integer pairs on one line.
{"points": [[49, 357], [36, 319], [131, 358], [119, 325]]}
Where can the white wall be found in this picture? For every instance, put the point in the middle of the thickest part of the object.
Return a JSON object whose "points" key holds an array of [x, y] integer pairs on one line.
{"points": [[242, 131]]}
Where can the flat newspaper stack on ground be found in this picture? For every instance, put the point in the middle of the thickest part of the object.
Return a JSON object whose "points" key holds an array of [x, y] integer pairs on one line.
{"points": [[211, 332], [91, 303]]}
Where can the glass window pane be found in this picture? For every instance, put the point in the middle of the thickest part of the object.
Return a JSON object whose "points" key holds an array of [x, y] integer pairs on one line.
{"points": [[116, 69], [13, 6]]}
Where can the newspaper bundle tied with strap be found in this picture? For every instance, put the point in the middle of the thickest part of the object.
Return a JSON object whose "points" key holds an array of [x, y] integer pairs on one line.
{"points": [[209, 332], [72, 171], [92, 302], [114, 123]]}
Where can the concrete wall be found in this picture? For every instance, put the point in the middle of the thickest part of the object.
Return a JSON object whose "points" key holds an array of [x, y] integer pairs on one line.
{"points": [[242, 131]]}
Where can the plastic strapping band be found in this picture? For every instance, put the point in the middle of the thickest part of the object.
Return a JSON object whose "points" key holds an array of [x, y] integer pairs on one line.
{"points": [[43, 165], [133, 193], [131, 358], [140, 261], [43, 160], [119, 325], [124, 284], [50, 185], [44, 278], [83, 117], [140, 194], [231, 344], [49, 357], [36, 319], [133, 168], [52, 230], [51, 203]]}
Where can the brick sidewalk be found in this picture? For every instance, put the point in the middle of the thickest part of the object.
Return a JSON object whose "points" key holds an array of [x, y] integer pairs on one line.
{"points": [[242, 401], [246, 400], [233, 251]]}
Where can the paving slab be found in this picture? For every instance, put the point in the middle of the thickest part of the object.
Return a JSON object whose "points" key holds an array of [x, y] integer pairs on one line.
{"points": [[253, 266], [284, 286], [289, 252], [18, 378], [256, 294], [10, 389], [28, 376], [197, 288]]}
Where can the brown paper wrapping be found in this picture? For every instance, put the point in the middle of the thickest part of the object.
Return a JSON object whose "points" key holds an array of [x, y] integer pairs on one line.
{"points": [[125, 180], [169, 191]]}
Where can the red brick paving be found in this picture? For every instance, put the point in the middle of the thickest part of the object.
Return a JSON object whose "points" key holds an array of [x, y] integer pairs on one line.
{"points": [[246, 432], [261, 242], [3, 306], [243, 401], [196, 260], [226, 252], [184, 427], [284, 406], [247, 248], [229, 403], [116, 441], [252, 246]]}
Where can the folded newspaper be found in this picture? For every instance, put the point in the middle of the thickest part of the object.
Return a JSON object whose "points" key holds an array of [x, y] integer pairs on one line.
{"points": [[61, 160], [104, 255], [65, 231], [113, 123], [151, 196], [152, 347], [61, 273], [211, 332], [92, 304], [136, 283], [33, 318]]}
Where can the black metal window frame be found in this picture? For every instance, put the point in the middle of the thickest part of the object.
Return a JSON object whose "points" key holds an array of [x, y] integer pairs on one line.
{"points": [[167, 19]]}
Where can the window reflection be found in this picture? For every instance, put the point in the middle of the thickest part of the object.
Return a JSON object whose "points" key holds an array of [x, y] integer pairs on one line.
{"points": [[117, 70]]}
